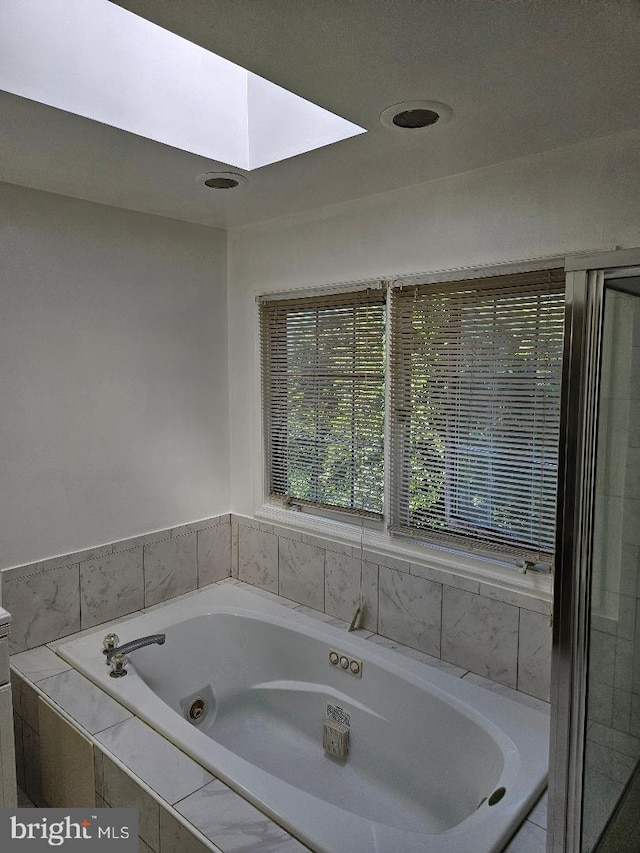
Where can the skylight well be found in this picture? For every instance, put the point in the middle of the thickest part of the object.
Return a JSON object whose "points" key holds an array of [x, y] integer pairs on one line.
{"points": [[97, 60]]}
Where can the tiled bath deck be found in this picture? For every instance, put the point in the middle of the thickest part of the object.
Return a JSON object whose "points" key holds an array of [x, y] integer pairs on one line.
{"points": [[183, 808]]}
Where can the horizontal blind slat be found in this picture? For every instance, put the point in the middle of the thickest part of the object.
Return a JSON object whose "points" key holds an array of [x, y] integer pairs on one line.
{"points": [[323, 393], [475, 372]]}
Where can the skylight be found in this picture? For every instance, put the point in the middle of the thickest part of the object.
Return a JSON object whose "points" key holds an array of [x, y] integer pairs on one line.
{"points": [[97, 60]]}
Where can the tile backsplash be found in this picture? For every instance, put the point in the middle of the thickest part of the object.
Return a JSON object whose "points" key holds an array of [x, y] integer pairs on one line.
{"points": [[53, 598], [501, 635]]}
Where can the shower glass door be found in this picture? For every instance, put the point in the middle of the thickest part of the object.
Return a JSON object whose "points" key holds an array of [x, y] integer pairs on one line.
{"points": [[610, 790], [594, 782]]}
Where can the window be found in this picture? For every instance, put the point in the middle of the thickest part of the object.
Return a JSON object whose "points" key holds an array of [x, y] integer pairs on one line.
{"points": [[475, 411], [474, 403], [324, 397]]}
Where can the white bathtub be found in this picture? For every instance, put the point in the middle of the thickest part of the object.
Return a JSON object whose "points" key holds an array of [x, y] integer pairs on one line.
{"points": [[427, 749]]}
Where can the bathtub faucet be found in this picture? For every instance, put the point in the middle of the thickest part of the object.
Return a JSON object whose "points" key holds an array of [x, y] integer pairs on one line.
{"points": [[357, 616], [135, 644]]}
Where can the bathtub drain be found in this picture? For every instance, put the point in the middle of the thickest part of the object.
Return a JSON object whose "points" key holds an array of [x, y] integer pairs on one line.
{"points": [[197, 709]]}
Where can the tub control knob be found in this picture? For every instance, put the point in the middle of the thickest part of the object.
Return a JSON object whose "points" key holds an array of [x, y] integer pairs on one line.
{"points": [[354, 667], [111, 641], [118, 665], [334, 657], [344, 662]]}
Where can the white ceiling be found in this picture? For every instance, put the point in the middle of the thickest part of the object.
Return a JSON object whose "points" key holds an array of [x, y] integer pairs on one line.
{"points": [[144, 79], [522, 76]]}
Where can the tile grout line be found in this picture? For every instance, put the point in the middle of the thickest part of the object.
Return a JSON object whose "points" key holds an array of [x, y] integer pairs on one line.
{"points": [[79, 597], [518, 649], [144, 786], [198, 559], [441, 620], [324, 583]]}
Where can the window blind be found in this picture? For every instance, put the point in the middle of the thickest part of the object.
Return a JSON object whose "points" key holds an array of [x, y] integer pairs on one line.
{"points": [[475, 410], [323, 382]]}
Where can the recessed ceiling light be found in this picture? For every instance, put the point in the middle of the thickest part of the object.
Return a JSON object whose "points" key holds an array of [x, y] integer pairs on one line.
{"points": [[412, 119], [221, 180], [415, 115], [221, 183]]}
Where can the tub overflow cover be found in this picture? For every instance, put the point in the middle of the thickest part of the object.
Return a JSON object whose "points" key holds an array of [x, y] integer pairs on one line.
{"points": [[497, 795]]}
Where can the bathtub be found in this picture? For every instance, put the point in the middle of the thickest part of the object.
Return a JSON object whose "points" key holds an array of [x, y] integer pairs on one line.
{"points": [[245, 685]]}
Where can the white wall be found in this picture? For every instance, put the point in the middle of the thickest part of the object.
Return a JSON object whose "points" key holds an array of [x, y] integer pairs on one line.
{"points": [[113, 374], [114, 379], [582, 197]]}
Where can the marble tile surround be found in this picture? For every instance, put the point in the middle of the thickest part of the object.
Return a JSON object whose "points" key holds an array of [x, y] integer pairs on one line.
{"points": [[132, 763], [534, 651], [410, 610], [171, 773], [497, 633], [345, 578], [83, 701], [120, 791], [172, 568], [612, 747], [301, 572], [257, 558], [504, 635], [176, 838], [480, 634], [43, 606], [109, 584], [57, 597], [236, 825], [182, 808], [214, 553]]}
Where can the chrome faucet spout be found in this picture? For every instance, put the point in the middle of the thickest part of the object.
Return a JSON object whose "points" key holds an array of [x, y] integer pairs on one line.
{"points": [[134, 645]]}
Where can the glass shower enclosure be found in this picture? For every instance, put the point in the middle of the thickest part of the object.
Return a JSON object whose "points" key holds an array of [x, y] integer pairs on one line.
{"points": [[594, 786]]}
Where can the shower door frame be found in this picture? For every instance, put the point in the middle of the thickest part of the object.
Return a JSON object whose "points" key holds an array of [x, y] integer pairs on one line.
{"points": [[586, 276]]}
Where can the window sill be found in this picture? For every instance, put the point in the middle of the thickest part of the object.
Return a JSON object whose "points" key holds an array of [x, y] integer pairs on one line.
{"points": [[502, 576]]}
